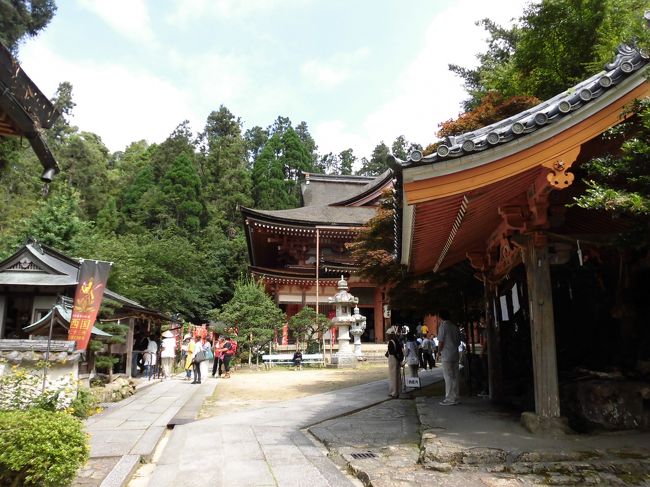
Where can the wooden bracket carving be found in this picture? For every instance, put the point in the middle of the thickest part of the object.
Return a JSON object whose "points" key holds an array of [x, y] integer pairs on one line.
{"points": [[478, 260], [559, 177], [509, 257]]}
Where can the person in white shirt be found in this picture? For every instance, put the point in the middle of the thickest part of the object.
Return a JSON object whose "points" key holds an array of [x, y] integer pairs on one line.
{"points": [[168, 353], [448, 343], [150, 358]]}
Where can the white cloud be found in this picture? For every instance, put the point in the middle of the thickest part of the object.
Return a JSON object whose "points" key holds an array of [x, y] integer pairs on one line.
{"points": [[333, 71], [119, 104], [426, 93], [129, 18], [188, 10]]}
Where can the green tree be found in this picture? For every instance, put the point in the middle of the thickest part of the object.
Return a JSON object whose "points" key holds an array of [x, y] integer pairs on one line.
{"points": [[252, 311], [181, 189], [23, 18], [556, 44], [378, 162], [618, 182], [346, 162], [308, 141], [255, 139], [84, 165], [277, 169], [108, 219], [106, 361], [226, 179], [306, 325], [58, 222], [373, 248]]}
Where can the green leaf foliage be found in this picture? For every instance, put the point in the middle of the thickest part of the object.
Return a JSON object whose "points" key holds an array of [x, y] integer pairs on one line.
{"points": [[252, 311], [556, 44], [619, 182], [23, 18], [307, 324], [40, 448]]}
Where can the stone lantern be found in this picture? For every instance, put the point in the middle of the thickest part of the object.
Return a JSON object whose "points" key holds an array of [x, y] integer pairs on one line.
{"points": [[356, 331], [344, 320]]}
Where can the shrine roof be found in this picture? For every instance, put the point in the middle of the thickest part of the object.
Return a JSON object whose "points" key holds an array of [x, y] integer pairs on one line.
{"points": [[453, 201], [63, 315], [566, 105], [36, 264], [324, 189], [315, 215], [24, 109]]}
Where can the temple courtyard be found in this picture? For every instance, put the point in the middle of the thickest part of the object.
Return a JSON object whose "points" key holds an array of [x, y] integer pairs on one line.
{"points": [[334, 427]]}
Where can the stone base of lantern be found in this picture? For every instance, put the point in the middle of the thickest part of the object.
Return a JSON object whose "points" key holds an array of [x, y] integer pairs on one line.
{"points": [[345, 360]]}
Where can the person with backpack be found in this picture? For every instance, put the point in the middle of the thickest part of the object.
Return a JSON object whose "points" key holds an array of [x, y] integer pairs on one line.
{"points": [[229, 350]]}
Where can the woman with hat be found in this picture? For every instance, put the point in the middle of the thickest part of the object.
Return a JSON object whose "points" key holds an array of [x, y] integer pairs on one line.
{"points": [[168, 353]]}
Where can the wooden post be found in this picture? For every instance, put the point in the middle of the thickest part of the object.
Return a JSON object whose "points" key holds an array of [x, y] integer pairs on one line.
{"points": [[542, 326], [379, 316], [495, 370], [129, 347]]}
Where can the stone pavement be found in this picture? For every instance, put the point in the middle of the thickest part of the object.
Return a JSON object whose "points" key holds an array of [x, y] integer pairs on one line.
{"points": [[126, 433], [267, 446], [421, 443], [357, 436]]}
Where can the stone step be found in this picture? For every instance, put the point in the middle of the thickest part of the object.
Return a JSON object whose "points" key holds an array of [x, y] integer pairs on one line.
{"points": [[559, 467]]}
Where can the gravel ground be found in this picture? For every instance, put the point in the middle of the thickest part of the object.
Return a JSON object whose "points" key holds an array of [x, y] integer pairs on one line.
{"points": [[252, 388]]}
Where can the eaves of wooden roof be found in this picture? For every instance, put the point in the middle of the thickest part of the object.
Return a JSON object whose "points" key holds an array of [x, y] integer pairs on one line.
{"points": [[25, 111]]}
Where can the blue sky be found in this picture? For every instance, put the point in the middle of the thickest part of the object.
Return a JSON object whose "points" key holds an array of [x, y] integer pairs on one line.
{"points": [[357, 71]]}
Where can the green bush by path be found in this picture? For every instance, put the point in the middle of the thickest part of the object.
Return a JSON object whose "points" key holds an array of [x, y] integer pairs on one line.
{"points": [[40, 448]]}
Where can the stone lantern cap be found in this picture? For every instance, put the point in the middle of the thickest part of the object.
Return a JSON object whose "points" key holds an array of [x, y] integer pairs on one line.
{"points": [[343, 296]]}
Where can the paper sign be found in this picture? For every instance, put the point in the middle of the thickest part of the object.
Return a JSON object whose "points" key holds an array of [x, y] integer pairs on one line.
{"points": [[503, 301], [515, 299], [413, 382]]}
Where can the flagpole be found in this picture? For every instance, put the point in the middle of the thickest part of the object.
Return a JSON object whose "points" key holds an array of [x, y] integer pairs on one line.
{"points": [[47, 352]]}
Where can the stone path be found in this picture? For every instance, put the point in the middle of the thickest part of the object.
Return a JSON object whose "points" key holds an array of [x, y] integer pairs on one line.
{"points": [[349, 437], [267, 446], [126, 433]]}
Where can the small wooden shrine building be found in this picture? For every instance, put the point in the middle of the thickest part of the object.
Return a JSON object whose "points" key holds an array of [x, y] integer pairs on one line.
{"points": [[38, 282], [499, 197], [300, 253]]}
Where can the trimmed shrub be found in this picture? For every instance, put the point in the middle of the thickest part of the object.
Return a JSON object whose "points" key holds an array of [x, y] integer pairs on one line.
{"points": [[40, 448]]}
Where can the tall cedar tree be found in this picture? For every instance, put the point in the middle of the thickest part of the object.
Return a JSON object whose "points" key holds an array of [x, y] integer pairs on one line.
{"points": [[23, 18], [224, 172]]}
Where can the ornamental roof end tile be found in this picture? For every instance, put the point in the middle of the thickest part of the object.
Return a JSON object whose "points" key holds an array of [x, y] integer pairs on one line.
{"points": [[627, 61]]}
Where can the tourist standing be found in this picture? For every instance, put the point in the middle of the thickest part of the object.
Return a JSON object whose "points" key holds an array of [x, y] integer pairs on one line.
{"points": [[427, 353], [168, 353], [200, 349], [229, 350], [412, 355], [448, 343], [189, 358], [150, 358], [218, 356], [395, 356]]}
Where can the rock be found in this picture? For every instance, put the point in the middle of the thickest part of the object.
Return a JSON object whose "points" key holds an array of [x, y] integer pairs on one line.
{"points": [[484, 456]]}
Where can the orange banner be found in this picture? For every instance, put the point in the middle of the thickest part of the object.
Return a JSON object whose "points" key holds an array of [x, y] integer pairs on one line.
{"points": [[87, 299]]}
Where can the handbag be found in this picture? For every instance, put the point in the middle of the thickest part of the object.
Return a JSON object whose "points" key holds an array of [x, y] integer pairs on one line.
{"points": [[199, 356], [208, 354]]}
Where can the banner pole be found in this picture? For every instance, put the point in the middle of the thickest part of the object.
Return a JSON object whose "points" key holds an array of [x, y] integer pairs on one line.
{"points": [[47, 352]]}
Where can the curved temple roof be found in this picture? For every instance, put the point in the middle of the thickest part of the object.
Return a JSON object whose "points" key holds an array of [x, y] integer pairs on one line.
{"points": [[451, 200], [627, 61]]}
